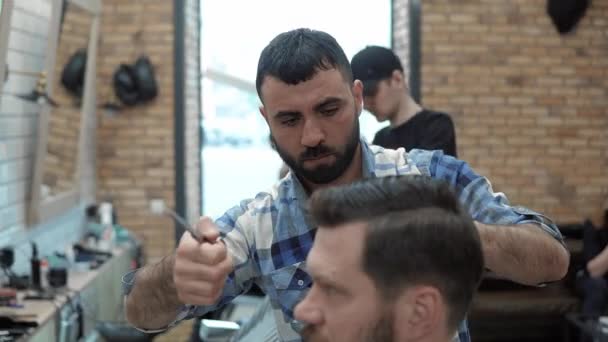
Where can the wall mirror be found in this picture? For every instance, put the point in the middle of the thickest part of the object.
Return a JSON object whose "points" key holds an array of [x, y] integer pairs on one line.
{"points": [[5, 19], [70, 86]]}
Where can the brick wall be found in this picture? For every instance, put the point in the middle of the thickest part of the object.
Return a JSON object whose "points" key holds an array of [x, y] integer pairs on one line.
{"points": [[136, 156], [530, 106], [29, 29], [400, 29], [192, 109], [64, 121], [135, 159], [27, 49]]}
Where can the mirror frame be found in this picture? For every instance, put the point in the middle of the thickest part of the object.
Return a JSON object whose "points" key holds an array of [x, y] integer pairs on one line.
{"points": [[41, 209], [5, 27]]}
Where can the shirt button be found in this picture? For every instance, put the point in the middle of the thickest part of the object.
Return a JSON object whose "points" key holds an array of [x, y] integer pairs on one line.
{"points": [[301, 282]]}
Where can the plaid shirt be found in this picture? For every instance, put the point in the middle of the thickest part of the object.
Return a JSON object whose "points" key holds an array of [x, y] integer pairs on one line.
{"points": [[270, 236]]}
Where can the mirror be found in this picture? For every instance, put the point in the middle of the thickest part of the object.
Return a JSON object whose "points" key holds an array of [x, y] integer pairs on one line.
{"points": [[61, 157], [5, 19], [70, 84]]}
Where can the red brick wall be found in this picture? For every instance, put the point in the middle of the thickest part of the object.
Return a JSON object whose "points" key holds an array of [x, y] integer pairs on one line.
{"points": [[136, 146], [530, 106], [64, 121], [136, 156]]}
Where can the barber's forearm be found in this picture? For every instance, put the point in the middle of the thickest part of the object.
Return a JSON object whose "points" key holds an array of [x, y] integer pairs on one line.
{"points": [[524, 253], [598, 266], [153, 302]]}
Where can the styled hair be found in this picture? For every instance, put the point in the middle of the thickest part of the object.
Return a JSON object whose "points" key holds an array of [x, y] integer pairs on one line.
{"points": [[296, 56], [418, 234]]}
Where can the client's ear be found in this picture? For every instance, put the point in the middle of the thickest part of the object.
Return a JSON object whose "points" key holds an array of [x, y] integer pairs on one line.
{"points": [[420, 312]]}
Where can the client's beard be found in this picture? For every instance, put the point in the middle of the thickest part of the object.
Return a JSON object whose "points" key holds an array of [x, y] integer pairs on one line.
{"points": [[381, 331]]}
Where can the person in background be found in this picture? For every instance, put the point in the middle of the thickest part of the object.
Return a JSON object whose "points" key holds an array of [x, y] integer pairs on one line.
{"points": [[410, 270], [387, 96], [592, 281], [597, 252]]}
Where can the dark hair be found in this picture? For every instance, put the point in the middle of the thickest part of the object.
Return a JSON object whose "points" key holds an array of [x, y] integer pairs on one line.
{"points": [[418, 234], [295, 56]]}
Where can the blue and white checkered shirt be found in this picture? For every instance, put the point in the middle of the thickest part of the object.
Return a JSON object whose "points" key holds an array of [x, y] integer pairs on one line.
{"points": [[270, 236]]}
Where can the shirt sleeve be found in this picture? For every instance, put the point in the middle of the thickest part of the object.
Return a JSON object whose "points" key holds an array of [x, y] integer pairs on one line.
{"points": [[233, 233], [475, 193]]}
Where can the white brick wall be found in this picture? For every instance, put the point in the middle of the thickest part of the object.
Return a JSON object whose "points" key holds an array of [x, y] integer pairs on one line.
{"points": [[26, 51], [27, 44], [192, 110], [400, 31]]}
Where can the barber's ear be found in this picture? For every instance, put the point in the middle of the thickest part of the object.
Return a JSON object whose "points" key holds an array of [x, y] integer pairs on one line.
{"points": [[263, 112], [357, 90], [421, 312]]}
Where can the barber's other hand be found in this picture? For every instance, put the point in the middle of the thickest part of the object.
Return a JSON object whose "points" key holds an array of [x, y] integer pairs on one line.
{"points": [[201, 268], [596, 268]]}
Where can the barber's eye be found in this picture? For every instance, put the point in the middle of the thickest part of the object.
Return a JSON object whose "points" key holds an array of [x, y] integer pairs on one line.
{"points": [[329, 111], [290, 122]]}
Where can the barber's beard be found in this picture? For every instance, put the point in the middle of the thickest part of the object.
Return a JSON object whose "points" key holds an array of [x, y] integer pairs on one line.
{"points": [[323, 174], [381, 331]]}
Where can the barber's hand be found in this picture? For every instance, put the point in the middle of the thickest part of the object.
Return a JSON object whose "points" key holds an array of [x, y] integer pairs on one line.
{"points": [[596, 268], [201, 268]]}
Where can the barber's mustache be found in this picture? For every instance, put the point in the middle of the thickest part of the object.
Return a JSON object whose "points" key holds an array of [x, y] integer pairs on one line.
{"points": [[316, 152]]}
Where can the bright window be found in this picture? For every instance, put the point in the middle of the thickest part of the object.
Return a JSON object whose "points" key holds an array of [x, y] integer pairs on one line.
{"points": [[237, 159]]}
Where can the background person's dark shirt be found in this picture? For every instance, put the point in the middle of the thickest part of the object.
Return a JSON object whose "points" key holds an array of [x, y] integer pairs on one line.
{"points": [[426, 130]]}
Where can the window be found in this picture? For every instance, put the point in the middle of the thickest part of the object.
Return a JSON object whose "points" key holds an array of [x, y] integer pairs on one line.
{"points": [[237, 159]]}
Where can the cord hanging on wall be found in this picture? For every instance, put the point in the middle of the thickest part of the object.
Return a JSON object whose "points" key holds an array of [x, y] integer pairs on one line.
{"points": [[135, 83], [38, 94], [566, 14]]}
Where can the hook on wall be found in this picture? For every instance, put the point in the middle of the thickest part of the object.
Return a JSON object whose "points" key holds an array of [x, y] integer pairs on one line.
{"points": [[39, 93]]}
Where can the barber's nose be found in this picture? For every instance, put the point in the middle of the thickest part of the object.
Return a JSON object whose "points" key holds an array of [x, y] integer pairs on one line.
{"points": [[307, 312], [312, 135]]}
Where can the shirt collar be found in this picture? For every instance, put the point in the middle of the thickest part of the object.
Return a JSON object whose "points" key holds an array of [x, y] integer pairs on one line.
{"points": [[367, 157]]}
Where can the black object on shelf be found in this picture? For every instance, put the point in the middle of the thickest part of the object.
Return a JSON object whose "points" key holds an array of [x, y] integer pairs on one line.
{"points": [[14, 330], [19, 282], [58, 277], [35, 267], [7, 257]]}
